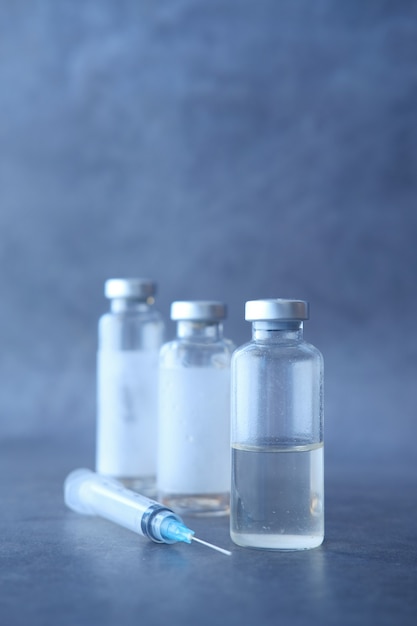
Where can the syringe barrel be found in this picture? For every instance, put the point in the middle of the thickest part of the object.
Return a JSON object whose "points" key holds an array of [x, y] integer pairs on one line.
{"points": [[92, 494]]}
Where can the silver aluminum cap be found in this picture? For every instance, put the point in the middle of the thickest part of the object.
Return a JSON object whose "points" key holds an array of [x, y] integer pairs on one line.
{"points": [[198, 310], [276, 309], [132, 288]]}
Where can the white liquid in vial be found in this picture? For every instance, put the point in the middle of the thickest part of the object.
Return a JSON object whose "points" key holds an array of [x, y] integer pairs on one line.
{"points": [[277, 497], [127, 398], [194, 439]]}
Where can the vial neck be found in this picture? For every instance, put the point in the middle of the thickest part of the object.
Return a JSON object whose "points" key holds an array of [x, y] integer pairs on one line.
{"points": [[127, 305], [206, 331], [277, 332]]}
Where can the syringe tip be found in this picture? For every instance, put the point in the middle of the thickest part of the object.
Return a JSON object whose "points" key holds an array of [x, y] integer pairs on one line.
{"points": [[211, 545], [172, 531]]}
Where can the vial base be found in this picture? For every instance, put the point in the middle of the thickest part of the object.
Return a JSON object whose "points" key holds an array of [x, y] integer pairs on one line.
{"points": [[277, 497], [276, 542], [198, 505], [145, 485]]}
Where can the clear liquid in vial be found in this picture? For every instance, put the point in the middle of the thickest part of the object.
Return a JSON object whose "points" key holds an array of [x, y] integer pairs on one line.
{"points": [[277, 497]]}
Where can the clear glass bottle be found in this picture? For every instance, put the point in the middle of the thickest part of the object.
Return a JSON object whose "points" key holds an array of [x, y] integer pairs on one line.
{"points": [[130, 337], [277, 493], [194, 412]]}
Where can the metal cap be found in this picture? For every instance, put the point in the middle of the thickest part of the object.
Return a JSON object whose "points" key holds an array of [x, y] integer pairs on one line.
{"points": [[132, 288], [276, 309], [198, 310]]}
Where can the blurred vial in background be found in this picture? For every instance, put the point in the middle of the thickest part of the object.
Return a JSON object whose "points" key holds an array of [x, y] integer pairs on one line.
{"points": [[277, 498], [130, 336], [194, 412]]}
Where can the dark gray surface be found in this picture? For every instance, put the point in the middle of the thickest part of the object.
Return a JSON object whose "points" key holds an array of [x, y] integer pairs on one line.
{"points": [[61, 568]]}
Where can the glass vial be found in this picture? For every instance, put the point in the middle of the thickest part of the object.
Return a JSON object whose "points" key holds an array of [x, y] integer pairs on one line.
{"points": [[130, 337], [194, 412], [277, 493]]}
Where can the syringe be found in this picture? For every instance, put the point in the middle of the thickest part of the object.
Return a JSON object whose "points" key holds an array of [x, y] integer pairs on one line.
{"points": [[92, 494]]}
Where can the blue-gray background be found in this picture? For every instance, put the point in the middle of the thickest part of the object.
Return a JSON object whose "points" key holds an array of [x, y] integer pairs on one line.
{"points": [[231, 150]]}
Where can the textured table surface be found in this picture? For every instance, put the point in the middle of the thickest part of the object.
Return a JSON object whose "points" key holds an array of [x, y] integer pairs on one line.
{"points": [[58, 567]]}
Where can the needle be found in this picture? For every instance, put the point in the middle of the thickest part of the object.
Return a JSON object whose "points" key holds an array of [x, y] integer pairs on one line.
{"points": [[210, 545]]}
